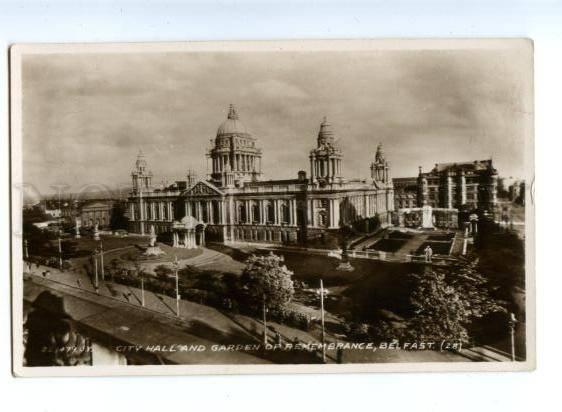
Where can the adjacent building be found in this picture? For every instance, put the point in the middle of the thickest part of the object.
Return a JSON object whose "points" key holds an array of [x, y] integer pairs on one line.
{"points": [[235, 205], [471, 185], [96, 213]]}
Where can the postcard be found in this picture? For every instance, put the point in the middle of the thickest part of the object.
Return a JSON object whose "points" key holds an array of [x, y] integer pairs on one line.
{"points": [[272, 207]]}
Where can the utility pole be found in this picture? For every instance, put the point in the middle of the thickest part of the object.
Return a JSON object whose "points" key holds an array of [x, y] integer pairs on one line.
{"points": [[322, 319], [101, 261], [142, 289], [177, 286], [512, 323], [264, 323], [60, 253], [96, 282]]}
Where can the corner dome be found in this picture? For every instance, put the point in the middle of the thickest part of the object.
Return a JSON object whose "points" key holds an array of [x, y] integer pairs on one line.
{"points": [[232, 125]]}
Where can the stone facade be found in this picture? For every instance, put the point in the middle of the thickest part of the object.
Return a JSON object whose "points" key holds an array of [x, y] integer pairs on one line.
{"points": [[236, 206], [471, 185], [96, 213]]}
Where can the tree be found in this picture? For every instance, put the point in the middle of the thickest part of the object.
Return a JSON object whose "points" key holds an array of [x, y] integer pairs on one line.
{"points": [[266, 280], [445, 302]]}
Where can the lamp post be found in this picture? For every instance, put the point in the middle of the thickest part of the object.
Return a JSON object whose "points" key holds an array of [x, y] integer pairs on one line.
{"points": [[101, 261], [512, 322], [322, 292], [60, 253], [264, 309], [96, 281], [142, 288], [177, 286]]}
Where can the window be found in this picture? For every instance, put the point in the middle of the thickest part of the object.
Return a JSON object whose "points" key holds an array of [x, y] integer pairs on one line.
{"points": [[284, 213], [270, 213], [256, 212], [241, 213], [323, 219]]}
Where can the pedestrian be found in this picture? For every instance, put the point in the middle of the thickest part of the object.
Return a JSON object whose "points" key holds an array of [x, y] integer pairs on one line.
{"points": [[278, 337]]}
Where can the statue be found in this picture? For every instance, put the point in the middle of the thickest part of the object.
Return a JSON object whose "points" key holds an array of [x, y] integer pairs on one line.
{"points": [[153, 249], [77, 229], [345, 264], [152, 236]]}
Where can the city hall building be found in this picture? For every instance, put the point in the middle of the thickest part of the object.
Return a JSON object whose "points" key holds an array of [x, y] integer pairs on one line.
{"points": [[235, 205]]}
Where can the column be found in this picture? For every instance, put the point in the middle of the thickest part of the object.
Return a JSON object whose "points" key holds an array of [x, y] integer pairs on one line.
{"points": [[210, 213], [132, 211], [462, 189], [248, 211], [334, 213], [312, 213], [276, 219], [262, 212], [294, 212], [223, 212]]}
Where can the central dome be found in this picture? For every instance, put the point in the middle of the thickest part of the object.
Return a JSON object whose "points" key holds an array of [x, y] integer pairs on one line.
{"points": [[232, 125]]}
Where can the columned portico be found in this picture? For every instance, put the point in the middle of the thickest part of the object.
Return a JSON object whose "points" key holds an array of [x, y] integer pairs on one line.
{"points": [[188, 233]]}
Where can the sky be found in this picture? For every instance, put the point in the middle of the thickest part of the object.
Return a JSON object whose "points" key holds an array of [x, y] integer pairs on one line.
{"points": [[85, 116]]}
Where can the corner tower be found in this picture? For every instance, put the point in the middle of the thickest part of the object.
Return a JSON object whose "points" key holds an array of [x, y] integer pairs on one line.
{"points": [[234, 154], [141, 176], [326, 159], [379, 168]]}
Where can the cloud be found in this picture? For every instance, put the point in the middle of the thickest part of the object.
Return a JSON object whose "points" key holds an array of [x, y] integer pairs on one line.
{"points": [[86, 115]]}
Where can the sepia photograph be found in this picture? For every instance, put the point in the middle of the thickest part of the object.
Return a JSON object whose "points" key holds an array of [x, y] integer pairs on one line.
{"points": [[272, 207]]}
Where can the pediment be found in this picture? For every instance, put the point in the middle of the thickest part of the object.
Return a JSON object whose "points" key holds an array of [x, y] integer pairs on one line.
{"points": [[203, 188]]}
